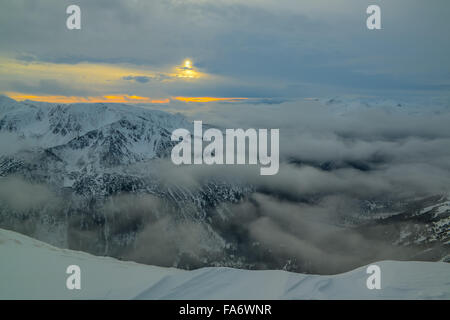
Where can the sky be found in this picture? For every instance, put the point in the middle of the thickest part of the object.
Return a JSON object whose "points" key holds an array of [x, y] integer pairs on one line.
{"points": [[158, 51]]}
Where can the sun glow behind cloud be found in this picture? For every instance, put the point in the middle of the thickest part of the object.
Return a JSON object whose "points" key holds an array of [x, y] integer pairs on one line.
{"points": [[91, 81], [100, 82], [187, 71], [93, 72]]}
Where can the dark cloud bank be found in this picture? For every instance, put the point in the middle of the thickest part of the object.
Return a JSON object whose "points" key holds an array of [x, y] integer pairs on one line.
{"points": [[279, 48]]}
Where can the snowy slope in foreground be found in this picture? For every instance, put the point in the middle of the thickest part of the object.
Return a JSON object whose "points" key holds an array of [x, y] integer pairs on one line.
{"points": [[30, 269]]}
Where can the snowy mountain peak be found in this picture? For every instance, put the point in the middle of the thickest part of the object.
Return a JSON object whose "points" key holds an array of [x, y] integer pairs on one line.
{"points": [[101, 135]]}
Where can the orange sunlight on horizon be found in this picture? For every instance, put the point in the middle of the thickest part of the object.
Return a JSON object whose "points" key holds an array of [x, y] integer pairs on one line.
{"points": [[123, 98], [206, 99], [75, 99]]}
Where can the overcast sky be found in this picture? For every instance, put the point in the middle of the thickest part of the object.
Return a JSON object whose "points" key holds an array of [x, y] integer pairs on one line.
{"points": [[233, 48]]}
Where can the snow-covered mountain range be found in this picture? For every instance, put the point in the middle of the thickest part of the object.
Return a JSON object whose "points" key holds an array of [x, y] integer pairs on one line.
{"points": [[88, 153], [91, 136], [94, 177]]}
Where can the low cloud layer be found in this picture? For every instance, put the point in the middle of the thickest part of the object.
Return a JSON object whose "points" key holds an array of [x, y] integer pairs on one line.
{"points": [[355, 150], [308, 237], [22, 196], [333, 158]]}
